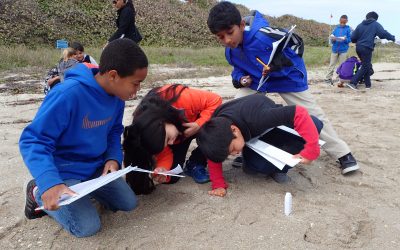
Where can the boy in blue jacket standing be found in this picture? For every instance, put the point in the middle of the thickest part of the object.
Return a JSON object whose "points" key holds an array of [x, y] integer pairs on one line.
{"points": [[246, 46], [364, 37], [340, 39], [76, 136]]}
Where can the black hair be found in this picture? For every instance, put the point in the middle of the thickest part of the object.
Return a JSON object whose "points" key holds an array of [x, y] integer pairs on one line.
{"points": [[214, 138], [344, 17], [124, 56], [223, 16], [134, 155], [145, 137], [372, 15], [77, 46]]}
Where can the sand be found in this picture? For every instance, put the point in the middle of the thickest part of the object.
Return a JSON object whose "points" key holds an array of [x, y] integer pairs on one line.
{"points": [[330, 211]]}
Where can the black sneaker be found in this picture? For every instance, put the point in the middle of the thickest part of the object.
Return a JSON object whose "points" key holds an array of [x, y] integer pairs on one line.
{"points": [[30, 203], [348, 163], [280, 177], [237, 162]]}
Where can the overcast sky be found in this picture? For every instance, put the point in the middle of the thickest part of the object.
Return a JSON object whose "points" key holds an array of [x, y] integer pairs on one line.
{"points": [[321, 10]]}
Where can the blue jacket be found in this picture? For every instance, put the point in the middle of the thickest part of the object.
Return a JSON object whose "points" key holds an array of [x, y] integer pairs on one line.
{"points": [[365, 33], [76, 130], [258, 44], [341, 46]]}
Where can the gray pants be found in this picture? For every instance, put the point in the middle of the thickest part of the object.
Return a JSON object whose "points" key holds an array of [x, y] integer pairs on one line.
{"points": [[335, 58], [334, 146]]}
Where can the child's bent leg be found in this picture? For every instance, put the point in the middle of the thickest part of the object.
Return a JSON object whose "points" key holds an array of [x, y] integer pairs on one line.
{"points": [[334, 146], [256, 163], [80, 218], [115, 196]]}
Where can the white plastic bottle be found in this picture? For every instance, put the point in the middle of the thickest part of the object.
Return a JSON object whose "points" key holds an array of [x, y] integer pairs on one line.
{"points": [[288, 204]]}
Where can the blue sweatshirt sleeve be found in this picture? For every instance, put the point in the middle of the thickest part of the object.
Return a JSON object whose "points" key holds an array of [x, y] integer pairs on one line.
{"points": [[38, 140], [114, 148]]}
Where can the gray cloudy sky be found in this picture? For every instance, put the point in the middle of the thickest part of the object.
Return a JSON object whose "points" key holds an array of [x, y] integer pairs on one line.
{"points": [[321, 10]]}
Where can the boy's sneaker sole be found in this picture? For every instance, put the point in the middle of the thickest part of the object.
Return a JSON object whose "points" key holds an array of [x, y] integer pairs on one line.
{"points": [[30, 202], [351, 86], [350, 169]]}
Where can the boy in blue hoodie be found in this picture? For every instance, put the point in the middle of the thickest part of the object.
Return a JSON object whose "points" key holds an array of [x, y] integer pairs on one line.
{"points": [[340, 39], [246, 46], [364, 38], [76, 136]]}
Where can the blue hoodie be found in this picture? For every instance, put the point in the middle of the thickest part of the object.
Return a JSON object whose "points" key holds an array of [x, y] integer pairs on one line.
{"points": [[365, 33], [258, 44], [341, 46], [76, 130]]}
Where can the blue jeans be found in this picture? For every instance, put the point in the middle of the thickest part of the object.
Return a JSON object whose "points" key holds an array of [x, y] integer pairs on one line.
{"points": [[81, 219], [290, 143], [365, 71]]}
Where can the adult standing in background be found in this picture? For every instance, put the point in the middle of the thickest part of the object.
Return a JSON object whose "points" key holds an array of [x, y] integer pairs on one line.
{"points": [[340, 39], [364, 37], [125, 22]]}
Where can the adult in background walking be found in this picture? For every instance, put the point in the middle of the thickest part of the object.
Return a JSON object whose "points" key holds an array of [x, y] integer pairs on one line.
{"points": [[340, 39], [364, 36], [126, 27]]}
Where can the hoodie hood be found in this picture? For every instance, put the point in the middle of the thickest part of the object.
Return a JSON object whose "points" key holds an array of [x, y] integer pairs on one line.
{"points": [[257, 21], [368, 21], [84, 75]]}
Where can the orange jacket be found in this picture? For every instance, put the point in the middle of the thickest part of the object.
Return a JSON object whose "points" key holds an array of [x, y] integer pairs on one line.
{"points": [[198, 105]]}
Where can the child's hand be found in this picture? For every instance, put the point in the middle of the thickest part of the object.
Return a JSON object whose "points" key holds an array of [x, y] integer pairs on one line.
{"points": [[302, 159], [160, 178], [221, 192], [246, 81], [192, 129], [51, 197], [266, 70], [110, 166]]}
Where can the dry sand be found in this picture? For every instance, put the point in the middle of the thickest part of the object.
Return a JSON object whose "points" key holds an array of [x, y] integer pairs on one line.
{"points": [[330, 211]]}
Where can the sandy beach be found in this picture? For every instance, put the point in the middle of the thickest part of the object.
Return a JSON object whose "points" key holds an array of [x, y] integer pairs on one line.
{"points": [[330, 211]]}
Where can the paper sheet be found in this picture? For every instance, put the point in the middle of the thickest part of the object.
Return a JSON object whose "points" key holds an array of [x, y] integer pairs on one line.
{"points": [[84, 188], [280, 157], [275, 47], [173, 172]]}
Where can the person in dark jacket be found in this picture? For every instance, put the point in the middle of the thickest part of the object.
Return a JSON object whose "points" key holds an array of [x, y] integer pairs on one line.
{"points": [[364, 36], [238, 121], [125, 21]]}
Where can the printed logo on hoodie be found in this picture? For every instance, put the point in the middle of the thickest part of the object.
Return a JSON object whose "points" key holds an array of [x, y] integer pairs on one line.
{"points": [[88, 124]]}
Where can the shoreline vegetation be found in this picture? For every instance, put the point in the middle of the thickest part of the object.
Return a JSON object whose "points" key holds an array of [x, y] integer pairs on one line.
{"points": [[21, 56]]}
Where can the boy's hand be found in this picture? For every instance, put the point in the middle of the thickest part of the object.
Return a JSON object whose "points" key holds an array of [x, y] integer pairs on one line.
{"points": [[51, 197], [192, 129], [110, 166], [221, 192], [160, 178], [266, 70], [302, 159], [246, 81]]}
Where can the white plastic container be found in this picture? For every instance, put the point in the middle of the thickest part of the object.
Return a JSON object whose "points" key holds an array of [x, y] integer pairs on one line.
{"points": [[288, 204]]}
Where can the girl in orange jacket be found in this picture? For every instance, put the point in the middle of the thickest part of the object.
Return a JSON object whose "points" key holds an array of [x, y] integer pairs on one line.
{"points": [[164, 124]]}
